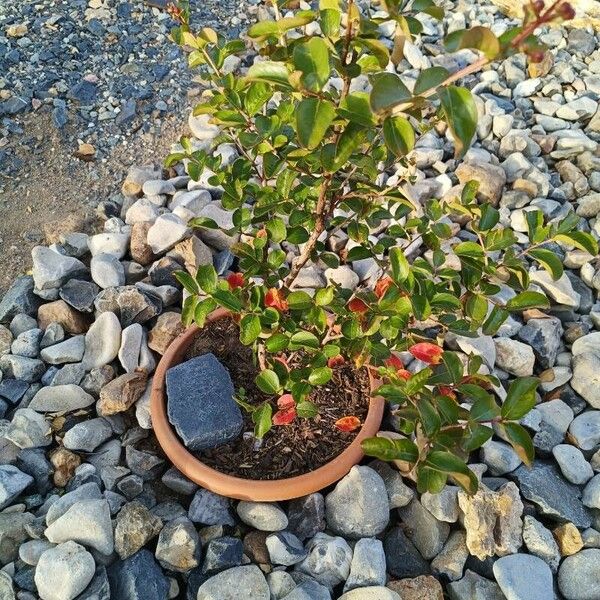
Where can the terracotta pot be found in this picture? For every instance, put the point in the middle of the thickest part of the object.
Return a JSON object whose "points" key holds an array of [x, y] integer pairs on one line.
{"points": [[236, 487]]}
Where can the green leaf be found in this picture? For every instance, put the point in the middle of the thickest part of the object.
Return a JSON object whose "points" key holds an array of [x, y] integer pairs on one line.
{"points": [[204, 222], [277, 230], [202, 310], [262, 29], [206, 276], [520, 398], [485, 409], [494, 321], [387, 92], [461, 113], [429, 79], [324, 296], [579, 239], [320, 376], [526, 300], [517, 436], [258, 93], [299, 300], [388, 449], [227, 300], [262, 419], [270, 72], [430, 419], [276, 343], [187, 281], [356, 108], [430, 480], [377, 49], [307, 409], [455, 468], [313, 118], [399, 264], [351, 138], [250, 329], [398, 135], [268, 382], [479, 38], [477, 435], [312, 59], [187, 311], [469, 249], [549, 260], [305, 339]]}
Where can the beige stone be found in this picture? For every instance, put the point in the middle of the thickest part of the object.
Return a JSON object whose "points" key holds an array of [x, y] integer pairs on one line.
{"points": [[168, 327], [192, 252], [121, 393], [139, 247], [524, 185], [587, 11], [568, 538], [542, 68], [492, 520], [73, 223], [16, 31], [423, 587], [64, 462], [491, 179], [59, 311]]}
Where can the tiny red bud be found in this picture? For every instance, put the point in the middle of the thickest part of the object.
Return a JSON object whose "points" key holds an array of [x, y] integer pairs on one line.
{"points": [[334, 361], [536, 56], [538, 6]]}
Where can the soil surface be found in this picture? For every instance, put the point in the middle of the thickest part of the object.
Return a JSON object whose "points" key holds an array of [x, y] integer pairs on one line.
{"points": [[286, 450]]}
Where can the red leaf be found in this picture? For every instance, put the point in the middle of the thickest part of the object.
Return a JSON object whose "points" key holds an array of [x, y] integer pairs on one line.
{"points": [[357, 305], [348, 423], [427, 352], [284, 417], [444, 390], [274, 299], [235, 280], [382, 286], [404, 374], [393, 362], [334, 361], [286, 402]]}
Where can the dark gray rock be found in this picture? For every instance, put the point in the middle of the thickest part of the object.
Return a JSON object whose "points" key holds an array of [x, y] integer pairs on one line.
{"points": [[99, 587], [13, 390], [554, 497], [306, 516], [12, 482], [200, 403], [145, 464], [222, 553], [138, 578], [84, 92], [208, 508], [129, 303], [403, 559], [79, 294], [543, 335]]}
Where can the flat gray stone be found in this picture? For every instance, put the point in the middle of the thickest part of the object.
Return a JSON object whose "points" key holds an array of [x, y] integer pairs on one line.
{"points": [[12, 482], [200, 403], [51, 269], [69, 351], [61, 398], [263, 516], [368, 565], [87, 435], [524, 577], [579, 575], [238, 583], [585, 429], [102, 341]]}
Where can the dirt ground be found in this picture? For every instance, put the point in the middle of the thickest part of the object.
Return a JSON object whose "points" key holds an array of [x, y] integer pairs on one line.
{"points": [[53, 185]]}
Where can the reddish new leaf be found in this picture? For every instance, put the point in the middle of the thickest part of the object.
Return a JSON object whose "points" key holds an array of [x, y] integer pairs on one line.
{"points": [[235, 280], [274, 299], [427, 352], [393, 362], [357, 305], [334, 361], [286, 402], [348, 423], [284, 417], [382, 286]]}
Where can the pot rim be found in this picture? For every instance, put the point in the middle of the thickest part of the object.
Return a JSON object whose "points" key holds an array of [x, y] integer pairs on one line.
{"points": [[238, 487]]}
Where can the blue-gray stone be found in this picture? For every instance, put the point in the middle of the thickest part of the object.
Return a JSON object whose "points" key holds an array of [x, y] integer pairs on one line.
{"points": [[12, 482], [98, 588], [208, 508], [84, 92], [59, 117], [19, 299], [200, 403], [13, 390], [138, 578], [222, 553], [544, 485]]}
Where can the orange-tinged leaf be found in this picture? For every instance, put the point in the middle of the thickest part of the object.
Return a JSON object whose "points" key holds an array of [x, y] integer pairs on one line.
{"points": [[427, 352], [274, 299], [235, 280], [348, 423], [284, 417], [286, 402], [382, 286], [357, 305]]}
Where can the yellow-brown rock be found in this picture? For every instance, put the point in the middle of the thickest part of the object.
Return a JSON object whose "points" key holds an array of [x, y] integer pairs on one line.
{"points": [[568, 538], [168, 327], [59, 311], [64, 462], [423, 587], [121, 393]]}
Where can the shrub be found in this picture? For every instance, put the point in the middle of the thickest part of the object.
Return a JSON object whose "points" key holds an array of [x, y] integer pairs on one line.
{"points": [[316, 119]]}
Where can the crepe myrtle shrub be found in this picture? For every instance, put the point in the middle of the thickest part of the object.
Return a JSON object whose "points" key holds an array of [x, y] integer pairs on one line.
{"points": [[315, 120]]}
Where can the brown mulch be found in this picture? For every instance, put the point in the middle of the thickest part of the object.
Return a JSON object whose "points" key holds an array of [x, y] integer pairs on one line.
{"points": [[286, 450]]}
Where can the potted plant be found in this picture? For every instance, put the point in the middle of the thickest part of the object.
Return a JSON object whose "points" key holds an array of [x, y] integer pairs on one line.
{"points": [[317, 121]]}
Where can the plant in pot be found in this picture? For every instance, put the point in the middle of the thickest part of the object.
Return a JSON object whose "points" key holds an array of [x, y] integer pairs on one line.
{"points": [[348, 292]]}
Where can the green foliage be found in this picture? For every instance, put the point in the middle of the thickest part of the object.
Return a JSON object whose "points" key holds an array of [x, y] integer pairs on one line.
{"points": [[310, 150]]}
